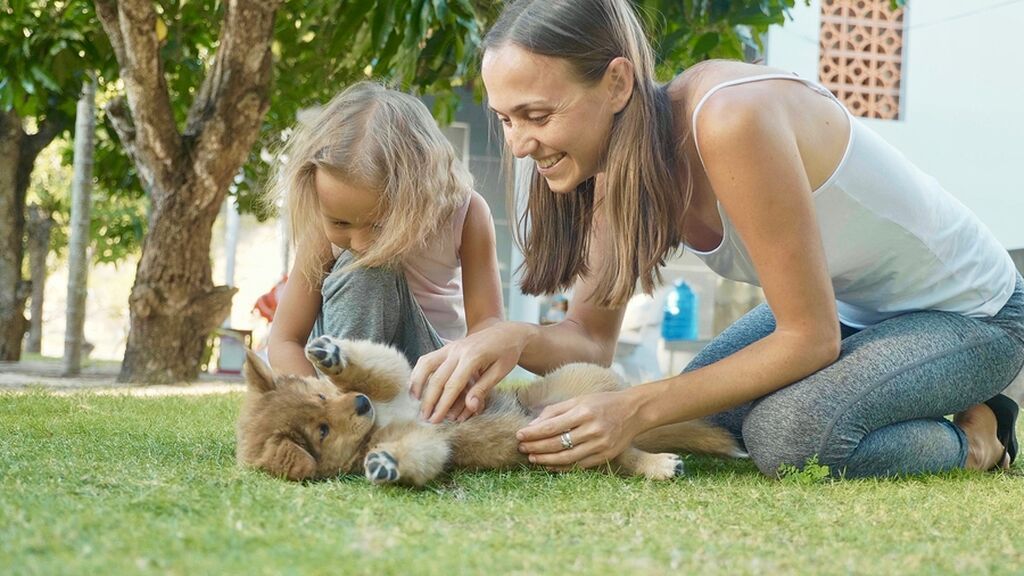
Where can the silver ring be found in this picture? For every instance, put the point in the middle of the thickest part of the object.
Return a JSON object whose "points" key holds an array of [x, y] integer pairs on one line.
{"points": [[566, 440]]}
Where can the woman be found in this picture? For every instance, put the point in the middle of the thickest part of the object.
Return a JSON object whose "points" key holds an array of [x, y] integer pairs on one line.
{"points": [[889, 304]]}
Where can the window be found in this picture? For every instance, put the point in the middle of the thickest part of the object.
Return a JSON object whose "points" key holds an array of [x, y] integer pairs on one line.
{"points": [[457, 134]]}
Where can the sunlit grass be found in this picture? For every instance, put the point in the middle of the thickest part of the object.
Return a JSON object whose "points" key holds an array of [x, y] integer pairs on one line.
{"points": [[115, 484]]}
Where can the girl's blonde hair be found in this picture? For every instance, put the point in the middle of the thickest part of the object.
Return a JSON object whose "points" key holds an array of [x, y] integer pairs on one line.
{"points": [[379, 139], [644, 203]]}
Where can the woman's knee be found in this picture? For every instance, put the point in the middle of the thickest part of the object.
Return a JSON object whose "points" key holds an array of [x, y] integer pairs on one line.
{"points": [[790, 436], [770, 450]]}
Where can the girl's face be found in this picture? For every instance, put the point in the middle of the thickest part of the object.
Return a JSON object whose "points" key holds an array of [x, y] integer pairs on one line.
{"points": [[549, 115], [347, 212]]}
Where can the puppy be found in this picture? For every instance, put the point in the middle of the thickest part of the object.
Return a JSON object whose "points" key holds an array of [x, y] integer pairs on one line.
{"points": [[360, 418]]}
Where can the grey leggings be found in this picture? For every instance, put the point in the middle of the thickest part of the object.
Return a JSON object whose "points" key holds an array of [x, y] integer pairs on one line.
{"points": [[878, 410], [374, 304]]}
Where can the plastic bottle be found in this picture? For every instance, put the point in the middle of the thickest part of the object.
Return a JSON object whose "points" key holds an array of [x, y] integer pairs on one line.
{"points": [[680, 319]]}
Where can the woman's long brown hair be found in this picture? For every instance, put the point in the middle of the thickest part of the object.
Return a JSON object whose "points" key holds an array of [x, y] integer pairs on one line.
{"points": [[644, 200]]}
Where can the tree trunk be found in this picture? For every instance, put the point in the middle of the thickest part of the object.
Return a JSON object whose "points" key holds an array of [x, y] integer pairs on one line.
{"points": [[18, 152], [12, 228], [40, 224], [78, 244], [174, 305]]}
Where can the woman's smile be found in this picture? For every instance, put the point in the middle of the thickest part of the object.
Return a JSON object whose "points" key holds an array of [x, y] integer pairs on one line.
{"points": [[549, 162]]}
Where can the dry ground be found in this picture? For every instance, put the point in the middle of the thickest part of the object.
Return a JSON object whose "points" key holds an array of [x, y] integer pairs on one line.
{"points": [[102, 378]]}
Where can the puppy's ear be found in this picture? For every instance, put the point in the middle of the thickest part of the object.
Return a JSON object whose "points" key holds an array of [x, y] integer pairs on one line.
{"points": [[282, 456], [257, 373]]}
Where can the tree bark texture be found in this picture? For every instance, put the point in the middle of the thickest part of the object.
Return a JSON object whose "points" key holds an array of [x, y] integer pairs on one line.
{"points": [[78, 246], [174, 305], [18, 152], [40, 225]]}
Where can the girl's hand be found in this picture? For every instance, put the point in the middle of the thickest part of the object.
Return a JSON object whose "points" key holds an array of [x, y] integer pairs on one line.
{"points": [[457, 378], [601, 426]]}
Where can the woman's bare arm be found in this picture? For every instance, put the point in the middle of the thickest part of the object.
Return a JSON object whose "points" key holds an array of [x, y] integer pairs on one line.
{"points": [[756, 171]]}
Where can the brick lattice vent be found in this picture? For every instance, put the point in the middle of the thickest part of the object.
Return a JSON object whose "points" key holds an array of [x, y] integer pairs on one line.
{"points": [[861, 55]]}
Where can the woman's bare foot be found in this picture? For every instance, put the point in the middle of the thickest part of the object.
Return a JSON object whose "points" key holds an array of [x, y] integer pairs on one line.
{"points": [[984, 451]]}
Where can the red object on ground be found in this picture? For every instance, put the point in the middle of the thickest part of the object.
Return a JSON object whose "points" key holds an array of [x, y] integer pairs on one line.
{"points": [[266, 304]]}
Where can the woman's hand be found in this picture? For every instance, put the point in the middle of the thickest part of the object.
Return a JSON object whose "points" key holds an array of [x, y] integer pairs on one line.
{"points": [[457, 378], [600, 426]]}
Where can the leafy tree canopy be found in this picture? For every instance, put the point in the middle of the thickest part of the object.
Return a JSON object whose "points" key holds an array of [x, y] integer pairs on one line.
{"points": [[320, 46]]}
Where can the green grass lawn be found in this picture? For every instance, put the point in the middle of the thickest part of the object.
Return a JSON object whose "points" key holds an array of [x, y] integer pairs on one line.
{"points": [[112, 485]]}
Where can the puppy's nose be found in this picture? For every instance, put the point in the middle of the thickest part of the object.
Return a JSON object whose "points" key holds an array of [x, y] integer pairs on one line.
{"points": [[362, 405]]}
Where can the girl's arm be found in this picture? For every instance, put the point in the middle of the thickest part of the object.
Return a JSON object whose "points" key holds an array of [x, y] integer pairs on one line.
{"points": [[293, 320], [481, 281], [755, 168], [481, 290]]}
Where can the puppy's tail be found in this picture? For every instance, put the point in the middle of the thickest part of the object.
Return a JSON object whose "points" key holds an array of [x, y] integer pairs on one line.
{"points": [[694, 436]]}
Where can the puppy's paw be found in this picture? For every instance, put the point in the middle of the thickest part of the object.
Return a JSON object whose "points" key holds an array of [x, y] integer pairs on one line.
{"points": [[381, 467], [326, 355], [663, 467]]}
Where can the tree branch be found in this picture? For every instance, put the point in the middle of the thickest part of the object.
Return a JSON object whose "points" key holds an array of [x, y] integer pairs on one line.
{"points": [[131, 27], [48, 129], [121, 118], [225, 116], [106, 10]]}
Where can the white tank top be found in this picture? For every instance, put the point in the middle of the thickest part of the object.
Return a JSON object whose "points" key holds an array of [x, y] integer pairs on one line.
{"points": [[895, 240]]}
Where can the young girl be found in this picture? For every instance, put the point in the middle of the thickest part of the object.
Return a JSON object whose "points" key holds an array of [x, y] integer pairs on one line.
{"points": [[889, 305], [391, 242]]}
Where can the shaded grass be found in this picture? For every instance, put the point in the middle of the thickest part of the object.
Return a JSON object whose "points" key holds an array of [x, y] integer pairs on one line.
{"points": [[115, 484]]}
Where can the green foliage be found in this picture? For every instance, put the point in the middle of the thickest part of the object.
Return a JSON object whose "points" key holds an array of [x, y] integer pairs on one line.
{"points": [[118, 217], [47, 49], [811, 473], [424, 46], [117, 227], [188, 31], [690, 31], [120, 205], [57, 44]]}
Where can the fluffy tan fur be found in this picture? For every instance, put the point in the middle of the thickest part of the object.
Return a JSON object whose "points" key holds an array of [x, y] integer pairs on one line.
{"points": [[359, 418]]}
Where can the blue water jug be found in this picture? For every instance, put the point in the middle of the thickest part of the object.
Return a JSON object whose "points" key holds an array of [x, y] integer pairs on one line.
{"points": [[680, 319]]}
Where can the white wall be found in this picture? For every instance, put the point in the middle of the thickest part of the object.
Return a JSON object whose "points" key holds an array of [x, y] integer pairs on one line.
{"points": [[962, 107]]}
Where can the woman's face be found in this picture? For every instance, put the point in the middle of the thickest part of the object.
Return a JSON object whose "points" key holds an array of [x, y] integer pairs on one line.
{"points": [[347, 212], [548, 114]]}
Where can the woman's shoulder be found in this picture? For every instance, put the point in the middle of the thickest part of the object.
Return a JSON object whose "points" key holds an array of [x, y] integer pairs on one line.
{"points": [[689, 88], [743, 111]]}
